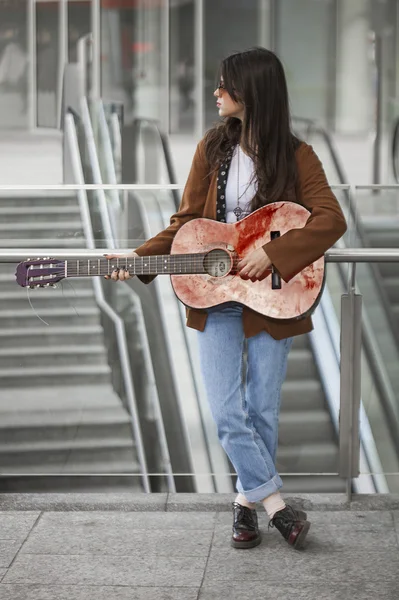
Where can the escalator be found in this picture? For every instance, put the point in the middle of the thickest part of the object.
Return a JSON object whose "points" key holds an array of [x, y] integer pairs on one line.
{"points": [[384, 233]]}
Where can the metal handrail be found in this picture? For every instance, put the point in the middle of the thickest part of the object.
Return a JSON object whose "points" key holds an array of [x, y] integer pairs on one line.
{"points": [[395, 151], [107, 216], [116, 144], [312, 126], [381, 377], [335, 255], [109, 166], [138, 125], [110, 233], [70, 132]]}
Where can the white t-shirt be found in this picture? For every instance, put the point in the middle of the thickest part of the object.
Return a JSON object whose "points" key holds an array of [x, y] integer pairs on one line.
{"points": [[246, 188]]}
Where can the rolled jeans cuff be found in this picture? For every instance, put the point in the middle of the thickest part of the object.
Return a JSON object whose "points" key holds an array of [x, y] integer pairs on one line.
{"points": [[263, 491]]}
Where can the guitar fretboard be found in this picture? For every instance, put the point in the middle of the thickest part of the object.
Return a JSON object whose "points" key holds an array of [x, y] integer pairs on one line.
{"points": [[170, 264]]}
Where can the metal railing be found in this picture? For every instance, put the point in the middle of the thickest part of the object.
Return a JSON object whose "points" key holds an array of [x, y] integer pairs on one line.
{"points": [[117, 321], [338, 255], [373, 356], [350, 367], [311, 128], [395, 151]]}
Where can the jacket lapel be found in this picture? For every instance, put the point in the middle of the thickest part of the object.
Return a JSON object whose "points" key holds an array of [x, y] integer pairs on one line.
{"points": [[221, 187]]}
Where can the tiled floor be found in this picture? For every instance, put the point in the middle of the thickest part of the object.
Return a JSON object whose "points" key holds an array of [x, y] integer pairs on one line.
{"points": [[186, 555]]}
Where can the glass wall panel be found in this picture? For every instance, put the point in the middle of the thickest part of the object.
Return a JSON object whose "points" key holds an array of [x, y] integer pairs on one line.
{"points": [[14, 64], [182, 71], [230, 26], [134, 58], [305, 40], [79, 24], [47, 62]]}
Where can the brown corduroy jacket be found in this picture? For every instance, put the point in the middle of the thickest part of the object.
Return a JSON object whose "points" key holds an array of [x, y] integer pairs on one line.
{"points": [[289, 253]]}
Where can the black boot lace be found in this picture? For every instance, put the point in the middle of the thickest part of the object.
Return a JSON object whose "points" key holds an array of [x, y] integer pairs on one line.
{"points": [[243, 517], [284, 522]]}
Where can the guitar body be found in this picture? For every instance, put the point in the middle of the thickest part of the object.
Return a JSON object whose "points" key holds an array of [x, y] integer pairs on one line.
{"points": [[294, 300], [203, 265]]}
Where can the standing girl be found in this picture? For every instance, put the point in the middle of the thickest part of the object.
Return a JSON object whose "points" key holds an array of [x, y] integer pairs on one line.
{"points": [[249, 159]]}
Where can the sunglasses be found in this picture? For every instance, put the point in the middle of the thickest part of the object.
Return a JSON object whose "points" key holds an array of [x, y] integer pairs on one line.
{"points": [[221, 86]]}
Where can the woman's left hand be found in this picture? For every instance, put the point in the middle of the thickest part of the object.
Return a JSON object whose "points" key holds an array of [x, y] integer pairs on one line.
{"points": [[256, 266]]}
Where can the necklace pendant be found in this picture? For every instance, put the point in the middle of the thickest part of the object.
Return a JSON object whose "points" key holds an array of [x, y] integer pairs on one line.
{"points": [[238, 212]]}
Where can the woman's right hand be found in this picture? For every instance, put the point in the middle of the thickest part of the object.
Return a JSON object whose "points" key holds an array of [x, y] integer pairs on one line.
{"points": [[120, 274]]}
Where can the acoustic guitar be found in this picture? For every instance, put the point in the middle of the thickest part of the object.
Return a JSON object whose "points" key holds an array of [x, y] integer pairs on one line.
{"points": [[203, 265]]}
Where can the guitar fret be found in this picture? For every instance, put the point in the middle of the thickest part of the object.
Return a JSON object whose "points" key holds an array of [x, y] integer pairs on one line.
{"points": [[169, 264]]}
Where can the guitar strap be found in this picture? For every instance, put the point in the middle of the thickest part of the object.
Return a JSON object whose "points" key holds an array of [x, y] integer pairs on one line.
{"points": [[221, 186]]}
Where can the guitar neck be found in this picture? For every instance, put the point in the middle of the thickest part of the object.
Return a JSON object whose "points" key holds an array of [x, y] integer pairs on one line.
{"points": [[168, 264]]}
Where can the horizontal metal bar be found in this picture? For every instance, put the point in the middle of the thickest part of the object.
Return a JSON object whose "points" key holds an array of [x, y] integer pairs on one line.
{"points": [[333, 255], [152, 186], [377, 186], [89, 186], [107, 186], [362, 255]]}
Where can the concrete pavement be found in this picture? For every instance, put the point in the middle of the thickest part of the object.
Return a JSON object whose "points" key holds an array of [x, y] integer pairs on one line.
{"points": [[177, 547]]}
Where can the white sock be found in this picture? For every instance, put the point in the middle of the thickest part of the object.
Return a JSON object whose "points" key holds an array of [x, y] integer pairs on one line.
{"points": [[241, 499], [273, 504]]}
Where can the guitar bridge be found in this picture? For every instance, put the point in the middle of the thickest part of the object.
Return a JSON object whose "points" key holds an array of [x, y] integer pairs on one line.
{"points": [[276, 279]]}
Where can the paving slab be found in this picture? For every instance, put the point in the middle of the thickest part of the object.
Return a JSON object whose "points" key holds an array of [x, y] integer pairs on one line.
{"points": [[8, 551], [73, 592], [299, 568], [124, 501], [140, 520], [361, 518], [148, 570], [201, 502], [259, 590], [118, 540], [15, 526], [354, 530], [375, 502]]}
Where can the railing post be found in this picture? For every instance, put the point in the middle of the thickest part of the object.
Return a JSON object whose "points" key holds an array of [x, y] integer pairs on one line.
{"points": [[350, 385]]}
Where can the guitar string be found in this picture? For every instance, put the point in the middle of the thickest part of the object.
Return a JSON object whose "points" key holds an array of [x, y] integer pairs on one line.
{"points": [[33, 308], [196, 265], [148, 269]]}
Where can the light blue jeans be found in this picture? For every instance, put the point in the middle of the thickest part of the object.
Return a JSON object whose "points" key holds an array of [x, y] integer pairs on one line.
{"points": [[245, 408]]}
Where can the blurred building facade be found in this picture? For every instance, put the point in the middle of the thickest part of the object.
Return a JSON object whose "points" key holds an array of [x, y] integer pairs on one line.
{"points": [[160, 57]]}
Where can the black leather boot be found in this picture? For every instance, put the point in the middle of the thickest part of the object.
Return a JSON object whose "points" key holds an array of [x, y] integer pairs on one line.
{"points": [[291, 525], [246, 532]]}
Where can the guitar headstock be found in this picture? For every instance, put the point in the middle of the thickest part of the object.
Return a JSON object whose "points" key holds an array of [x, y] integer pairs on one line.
{"points": [[40, 272]]}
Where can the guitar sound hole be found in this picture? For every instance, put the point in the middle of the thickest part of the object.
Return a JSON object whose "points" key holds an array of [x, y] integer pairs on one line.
{"points": [[217, 263]]}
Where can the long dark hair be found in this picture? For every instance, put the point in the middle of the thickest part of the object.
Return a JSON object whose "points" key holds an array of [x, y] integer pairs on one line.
{"points": [[256, 78]]}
